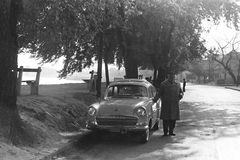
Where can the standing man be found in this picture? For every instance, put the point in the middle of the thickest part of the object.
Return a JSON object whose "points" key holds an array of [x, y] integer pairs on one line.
{"points": [[184, 84], [170, 93]]}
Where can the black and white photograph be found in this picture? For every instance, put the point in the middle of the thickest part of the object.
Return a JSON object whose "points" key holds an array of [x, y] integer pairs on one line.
{"points": [[119, 79]]}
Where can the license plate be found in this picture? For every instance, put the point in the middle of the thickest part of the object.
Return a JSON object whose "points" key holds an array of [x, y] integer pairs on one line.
{"points": [[114, 130]]}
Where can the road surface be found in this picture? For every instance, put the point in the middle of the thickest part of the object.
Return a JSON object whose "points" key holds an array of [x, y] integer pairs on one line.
{"points": [[209, 129]]}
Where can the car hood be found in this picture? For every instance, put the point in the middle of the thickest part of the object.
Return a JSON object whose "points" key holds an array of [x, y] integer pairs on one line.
{"points": [[120, 106]]}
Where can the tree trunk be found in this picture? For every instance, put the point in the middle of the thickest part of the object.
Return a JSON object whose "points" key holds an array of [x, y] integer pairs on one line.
{"points": [[233, 76], [106, 72], [106, 57], [162, 75], [99, 72], [228, 69], [238, 77], [11, 126], [131, 65]]}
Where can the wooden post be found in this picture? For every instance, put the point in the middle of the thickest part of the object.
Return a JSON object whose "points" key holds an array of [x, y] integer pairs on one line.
{"points": [[95, 79], [35, 85], [19, 80], [91, 82], [38, 75]]}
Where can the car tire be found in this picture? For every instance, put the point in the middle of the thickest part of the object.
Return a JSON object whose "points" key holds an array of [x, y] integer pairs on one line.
{"points": [[156, 125], [144, 137]]}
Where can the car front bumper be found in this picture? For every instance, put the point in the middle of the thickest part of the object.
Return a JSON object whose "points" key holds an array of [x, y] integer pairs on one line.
{"points": [[92, 125]]}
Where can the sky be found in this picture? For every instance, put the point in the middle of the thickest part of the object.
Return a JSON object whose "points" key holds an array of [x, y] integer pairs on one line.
{"points": [[220, 33]]}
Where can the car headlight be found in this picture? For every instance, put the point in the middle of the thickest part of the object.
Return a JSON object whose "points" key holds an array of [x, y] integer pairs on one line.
{"points": [[141, 112], [92, 111]]}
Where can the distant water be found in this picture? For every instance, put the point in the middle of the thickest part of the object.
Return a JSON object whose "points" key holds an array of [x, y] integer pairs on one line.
{"points": [[46, 81]]}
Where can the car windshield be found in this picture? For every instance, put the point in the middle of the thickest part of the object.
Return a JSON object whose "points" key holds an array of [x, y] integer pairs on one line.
{"points": [[127, 90]]}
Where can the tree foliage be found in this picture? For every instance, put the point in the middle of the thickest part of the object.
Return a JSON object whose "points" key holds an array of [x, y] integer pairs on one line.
{"points": [[52, 29], [196, 67], [154, 34]]}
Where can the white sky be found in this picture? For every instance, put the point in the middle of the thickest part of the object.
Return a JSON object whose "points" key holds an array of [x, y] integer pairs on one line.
{"points": [[220, 33], [25, 61]]}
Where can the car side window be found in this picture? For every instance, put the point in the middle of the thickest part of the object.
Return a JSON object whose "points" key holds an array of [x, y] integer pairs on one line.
{"points": [[127, 90], [115, 91], [112, 91], [152, 91]]}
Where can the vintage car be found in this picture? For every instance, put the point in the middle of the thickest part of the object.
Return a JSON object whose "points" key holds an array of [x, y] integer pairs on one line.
{"points": [[127, 106]]}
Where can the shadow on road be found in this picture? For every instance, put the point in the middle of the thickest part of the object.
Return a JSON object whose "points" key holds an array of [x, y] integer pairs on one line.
{"points": [[200, 126], [208, 119]]}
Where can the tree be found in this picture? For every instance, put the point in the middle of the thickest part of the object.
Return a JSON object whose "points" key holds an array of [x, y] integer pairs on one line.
{"points": [[12, 129], [163, 33], [110, 46], [170, 35], [237, 55], [227, 53], [127, 38], [182, 43], [54, 29], [197, 68], [167, 33], [70, 29]]}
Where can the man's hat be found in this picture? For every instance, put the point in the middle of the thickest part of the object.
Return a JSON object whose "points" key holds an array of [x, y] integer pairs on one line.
{"points": [[171, 72]]}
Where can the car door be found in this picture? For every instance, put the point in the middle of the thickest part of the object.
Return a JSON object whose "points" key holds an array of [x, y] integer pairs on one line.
{"points": [[155, 106]]}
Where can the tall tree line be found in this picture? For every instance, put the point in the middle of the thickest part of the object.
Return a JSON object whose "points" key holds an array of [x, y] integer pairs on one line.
{"points": [[155, 34]]}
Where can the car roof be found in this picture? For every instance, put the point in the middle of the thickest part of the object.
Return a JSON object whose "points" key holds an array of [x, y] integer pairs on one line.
{"points": [[131, 81]]}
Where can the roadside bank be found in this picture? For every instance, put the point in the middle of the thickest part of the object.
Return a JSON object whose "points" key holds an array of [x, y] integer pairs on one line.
{"points": [[233, 88]]}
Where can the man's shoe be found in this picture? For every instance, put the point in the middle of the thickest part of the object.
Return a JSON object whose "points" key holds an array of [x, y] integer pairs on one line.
{"points": [[172, 134], [165, 134]]}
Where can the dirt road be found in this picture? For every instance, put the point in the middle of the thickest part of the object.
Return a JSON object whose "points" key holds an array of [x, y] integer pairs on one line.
{"points": [[209, 129]]}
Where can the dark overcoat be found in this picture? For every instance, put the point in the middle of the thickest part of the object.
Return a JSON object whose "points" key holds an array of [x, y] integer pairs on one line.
{"points": [[169, 94]]}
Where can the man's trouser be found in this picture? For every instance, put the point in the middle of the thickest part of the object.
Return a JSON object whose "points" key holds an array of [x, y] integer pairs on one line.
{"points": [[168, 126]]}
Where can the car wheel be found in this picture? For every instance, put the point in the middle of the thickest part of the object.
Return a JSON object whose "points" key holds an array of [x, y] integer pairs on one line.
{"points": [[144, 137], [156, 125]]}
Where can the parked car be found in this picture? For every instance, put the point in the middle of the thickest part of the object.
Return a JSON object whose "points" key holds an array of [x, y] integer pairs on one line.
{"points": [[127, 106]]}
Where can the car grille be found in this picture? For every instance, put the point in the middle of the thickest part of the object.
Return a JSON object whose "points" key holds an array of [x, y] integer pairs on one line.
{"points": [[116, 120]]}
